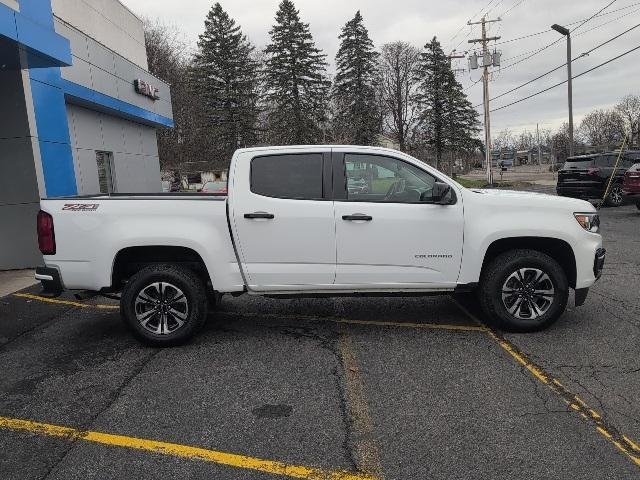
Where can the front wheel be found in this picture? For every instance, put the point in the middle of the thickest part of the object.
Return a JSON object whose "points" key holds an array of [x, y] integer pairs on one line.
{"points": [[164, 305], [523, 290], [638, 205]]}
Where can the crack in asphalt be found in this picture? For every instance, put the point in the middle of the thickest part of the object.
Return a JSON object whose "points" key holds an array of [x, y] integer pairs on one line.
{"points": [[113, 398]]}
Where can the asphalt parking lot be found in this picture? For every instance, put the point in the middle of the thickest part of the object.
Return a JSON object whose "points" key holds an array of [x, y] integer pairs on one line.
{"points": [[398, 388]]}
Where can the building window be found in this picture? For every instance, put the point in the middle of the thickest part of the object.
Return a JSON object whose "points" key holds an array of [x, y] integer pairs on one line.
{"points": [[105, 171]]}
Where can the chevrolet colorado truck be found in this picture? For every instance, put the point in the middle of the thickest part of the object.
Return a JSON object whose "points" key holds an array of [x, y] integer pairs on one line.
{"points": [[321, 221]]}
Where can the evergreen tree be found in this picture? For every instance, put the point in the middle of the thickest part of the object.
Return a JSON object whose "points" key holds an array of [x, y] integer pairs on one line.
{"points": [[295, 81], [447, 118], [357, 118], [225, 76]]}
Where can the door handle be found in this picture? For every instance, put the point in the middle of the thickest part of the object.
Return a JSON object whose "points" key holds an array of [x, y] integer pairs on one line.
{"points": [[259, 215], [357, 216]]}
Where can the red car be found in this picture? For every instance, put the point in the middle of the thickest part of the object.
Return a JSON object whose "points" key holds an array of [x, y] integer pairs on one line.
{"points": [[631, 185], [214, 187]]}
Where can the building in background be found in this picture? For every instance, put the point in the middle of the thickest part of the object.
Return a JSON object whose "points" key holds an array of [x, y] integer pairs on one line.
{"points": [[78, 111]]}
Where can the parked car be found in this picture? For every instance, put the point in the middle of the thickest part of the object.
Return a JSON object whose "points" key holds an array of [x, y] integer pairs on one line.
{"points": [[631, 185], [587, 177], [290, 227], [214, 187]]}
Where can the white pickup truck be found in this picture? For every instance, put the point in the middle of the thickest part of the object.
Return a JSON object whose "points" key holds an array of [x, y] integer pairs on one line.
{"points": [[321, 221]]}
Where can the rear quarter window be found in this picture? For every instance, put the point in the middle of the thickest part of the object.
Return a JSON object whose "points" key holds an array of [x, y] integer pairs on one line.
{"points": [[294, 176]]}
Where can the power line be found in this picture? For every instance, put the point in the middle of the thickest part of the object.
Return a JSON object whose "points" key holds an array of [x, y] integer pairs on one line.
{"points": [[542, 49], [565, 81], [512, 7], [595, 14], [563, 65], [573, 23]]}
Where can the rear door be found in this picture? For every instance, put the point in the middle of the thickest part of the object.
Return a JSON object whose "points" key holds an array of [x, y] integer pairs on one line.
{"points": [[282, 219]]}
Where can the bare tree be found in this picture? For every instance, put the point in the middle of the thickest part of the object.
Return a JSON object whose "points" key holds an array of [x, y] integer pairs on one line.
{"points": [[178, 147], [505, 139], [398, 62], [629, 108], [603, 128]]}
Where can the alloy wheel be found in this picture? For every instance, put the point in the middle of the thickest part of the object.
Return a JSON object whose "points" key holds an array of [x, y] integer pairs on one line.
{"points": [[161, 308], [616, 195], [528, 293]]}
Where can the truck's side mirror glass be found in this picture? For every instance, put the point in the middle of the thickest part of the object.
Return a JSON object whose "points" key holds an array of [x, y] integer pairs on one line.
{"points": [[440, 194]]}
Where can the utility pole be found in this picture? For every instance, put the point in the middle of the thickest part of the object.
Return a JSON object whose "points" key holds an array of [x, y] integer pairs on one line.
{"points": [[567, 33], [539, 155], [487, 60]]}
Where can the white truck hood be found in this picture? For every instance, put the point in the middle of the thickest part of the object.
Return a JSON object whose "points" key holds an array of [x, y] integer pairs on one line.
{"points": [[531, 200]]}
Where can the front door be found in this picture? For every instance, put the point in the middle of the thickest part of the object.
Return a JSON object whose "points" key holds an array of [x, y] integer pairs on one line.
{"points": [[283, 220], [388, 236]]}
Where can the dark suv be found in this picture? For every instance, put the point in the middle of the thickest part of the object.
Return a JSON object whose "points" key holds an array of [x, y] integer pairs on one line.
{"points": [[587, 176]]}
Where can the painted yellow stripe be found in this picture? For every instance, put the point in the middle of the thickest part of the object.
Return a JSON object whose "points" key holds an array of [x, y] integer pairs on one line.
{"points": [[430, 326], [377, 323], [182, 451], [578, 404], [71, 303]]}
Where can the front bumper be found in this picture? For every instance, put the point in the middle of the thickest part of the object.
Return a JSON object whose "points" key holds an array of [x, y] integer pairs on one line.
{"points": [[598, 263], [50, 279], [598, 266]]}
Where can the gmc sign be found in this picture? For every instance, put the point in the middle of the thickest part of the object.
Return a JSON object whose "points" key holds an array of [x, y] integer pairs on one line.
{"points": [[146, 89]]}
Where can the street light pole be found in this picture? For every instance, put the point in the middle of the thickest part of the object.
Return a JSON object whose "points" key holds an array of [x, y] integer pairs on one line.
{"points": [[567, 33]]}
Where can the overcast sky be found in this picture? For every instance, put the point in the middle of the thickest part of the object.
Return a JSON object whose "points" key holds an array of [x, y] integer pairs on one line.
{"points": [[416, 21]]}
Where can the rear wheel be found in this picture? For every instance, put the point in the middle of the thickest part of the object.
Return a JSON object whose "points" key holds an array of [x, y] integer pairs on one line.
{"points": [[638, 205], [615, 197], [164, 305], [523, 290]]}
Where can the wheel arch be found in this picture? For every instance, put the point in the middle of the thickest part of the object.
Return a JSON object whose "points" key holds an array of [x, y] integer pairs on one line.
{"points": [[130, 260], [556, 248]]}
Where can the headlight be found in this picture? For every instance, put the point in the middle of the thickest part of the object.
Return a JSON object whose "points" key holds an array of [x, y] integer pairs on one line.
{"points": [[589, 221]]}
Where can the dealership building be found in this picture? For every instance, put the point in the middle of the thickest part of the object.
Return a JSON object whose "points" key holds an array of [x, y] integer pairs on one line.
{"points": [[78, 111]]}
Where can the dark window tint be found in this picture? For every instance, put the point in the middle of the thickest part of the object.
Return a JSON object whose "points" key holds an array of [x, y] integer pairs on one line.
{"points": [[605, 161], [578, 163], [288, 176]]}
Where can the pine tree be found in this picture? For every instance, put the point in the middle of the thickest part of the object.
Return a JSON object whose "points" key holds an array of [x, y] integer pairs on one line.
{"points": [[225, 76], [447, 118], [295, 81], [357, 118]]}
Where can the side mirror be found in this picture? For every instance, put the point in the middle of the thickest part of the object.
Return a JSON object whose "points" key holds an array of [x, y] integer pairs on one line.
{"points": [[440, 194]]}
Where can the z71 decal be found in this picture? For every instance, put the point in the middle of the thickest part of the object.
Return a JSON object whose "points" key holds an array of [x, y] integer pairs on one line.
{"points": [[81, 207]]}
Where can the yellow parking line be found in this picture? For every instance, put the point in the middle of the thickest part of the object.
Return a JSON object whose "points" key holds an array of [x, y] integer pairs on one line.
{"points": [[65, 302], [620, 441], [430, 326], [182, 451]]}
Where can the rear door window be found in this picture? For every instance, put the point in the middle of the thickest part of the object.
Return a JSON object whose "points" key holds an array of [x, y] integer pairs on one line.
{"points": [[294, 176]]}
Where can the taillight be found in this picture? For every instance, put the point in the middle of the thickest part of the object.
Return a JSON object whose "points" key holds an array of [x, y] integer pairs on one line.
{"points": [[593, 171], [46, 234]]}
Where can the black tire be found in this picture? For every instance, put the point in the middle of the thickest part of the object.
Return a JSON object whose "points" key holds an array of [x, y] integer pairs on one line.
{"points": [[638, 205], [502, 270], [615, 198], [185, 304]]}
